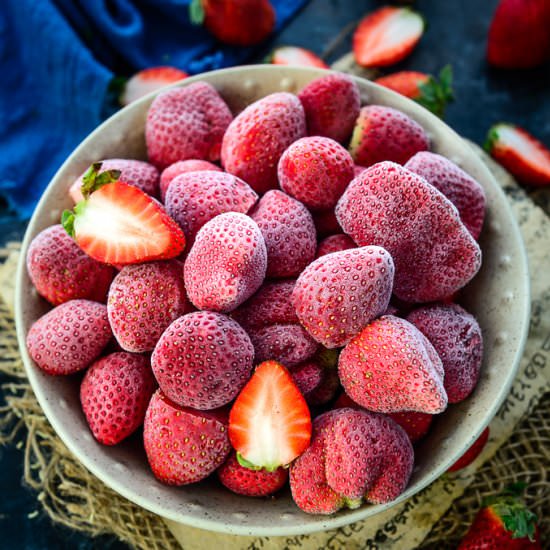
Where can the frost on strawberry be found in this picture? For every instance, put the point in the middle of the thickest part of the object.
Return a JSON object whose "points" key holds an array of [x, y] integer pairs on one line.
{"points": [[334, 243], [182, 167]]}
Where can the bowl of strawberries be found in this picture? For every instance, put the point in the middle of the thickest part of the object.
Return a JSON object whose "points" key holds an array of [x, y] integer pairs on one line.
{"points": [[271, 300]]}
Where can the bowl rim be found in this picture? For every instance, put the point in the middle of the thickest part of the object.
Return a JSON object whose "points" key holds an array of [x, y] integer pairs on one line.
{"points": [[332, 521]]}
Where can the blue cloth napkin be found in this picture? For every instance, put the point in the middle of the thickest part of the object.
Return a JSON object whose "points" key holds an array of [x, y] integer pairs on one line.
{"points": [[58, 58]]}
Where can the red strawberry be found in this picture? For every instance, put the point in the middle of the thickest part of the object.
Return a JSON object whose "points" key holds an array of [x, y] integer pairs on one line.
{"points": [[518, 36], [182, 167], [358, 170], [423, 88], [120, 224], [226, 264], [114, 394], [338, 294], [143, 300], [458, 186], [520, 153], [149, 80], [289, 233], [503, 522], [186, 123], [61, 271], [334, 243], [457, 338], [326, 223], [296, 56], [236, 22], [269, 423], [391, 367], [194, 198], [354, 455], [472, 452], [272, 304], [252, 483], [258, 136], [286, 344], [140, 174], [69, 337], [382, 134], [386, 36], [317, 184], [434, 253], [331, 104], [183, 445], [202, 360], [318, 384]]}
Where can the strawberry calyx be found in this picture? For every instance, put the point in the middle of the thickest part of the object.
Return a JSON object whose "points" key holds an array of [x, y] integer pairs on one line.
{"points": [[93, 179], [196, 12], [247, 464], [436, 94]]}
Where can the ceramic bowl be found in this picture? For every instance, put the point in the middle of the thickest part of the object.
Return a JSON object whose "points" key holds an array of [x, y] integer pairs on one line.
{"points": [[498, 297]]}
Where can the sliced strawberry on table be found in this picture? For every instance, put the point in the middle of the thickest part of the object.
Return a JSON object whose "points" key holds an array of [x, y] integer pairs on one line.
{"points": [[387, 36], [149, 80], [269, 423], [520, 153], [294, 55], [117, 223]]}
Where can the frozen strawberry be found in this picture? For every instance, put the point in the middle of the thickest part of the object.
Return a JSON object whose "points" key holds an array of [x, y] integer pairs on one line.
{"points": [[269, 423], [355, 455], [295, 56], [149, 80], [458, 186], [69, 337], [326, 223], [288, 231], [316, 171], [183, 445], [317, 384], [114, 394], [334, 243], [331, 104], [182, 167], [472, 452], [194, 198], [457, 338], [143, 300], [286, 344], [117, 223], [226, 264], [386, 36], [391, 367], [358, 170], [434, 253], [202, 360], [383, 133], [272, 304], [340, 293], [256, 139], [61, 271], [186, 123], [416, 424], [140, 174], [248, 482]]}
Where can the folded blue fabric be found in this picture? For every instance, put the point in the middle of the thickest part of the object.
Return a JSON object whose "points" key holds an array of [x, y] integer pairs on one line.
{"points": [[58, 58]]}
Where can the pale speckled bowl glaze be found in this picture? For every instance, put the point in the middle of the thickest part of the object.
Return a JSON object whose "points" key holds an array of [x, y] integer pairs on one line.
{"points": [[498, 296]]}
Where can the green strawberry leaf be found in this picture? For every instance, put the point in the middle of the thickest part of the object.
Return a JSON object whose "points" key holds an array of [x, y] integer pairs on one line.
{"points": [[436, 94], [196, 12], [93, 179], [491, 139], [246, 464], [67, 221]]}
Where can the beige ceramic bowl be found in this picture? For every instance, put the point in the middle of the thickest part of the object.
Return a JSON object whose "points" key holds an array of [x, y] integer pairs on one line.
{"points": [[498, 296]]}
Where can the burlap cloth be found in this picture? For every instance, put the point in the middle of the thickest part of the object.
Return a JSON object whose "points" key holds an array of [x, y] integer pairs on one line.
{"points": [[436, 518]]}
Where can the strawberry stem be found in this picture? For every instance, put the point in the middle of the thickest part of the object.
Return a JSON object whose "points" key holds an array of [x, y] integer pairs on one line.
{"points": [[434, 94], [93, 179]]}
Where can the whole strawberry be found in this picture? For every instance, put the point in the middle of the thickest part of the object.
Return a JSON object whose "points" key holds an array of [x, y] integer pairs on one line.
{"points": [[183, 445], [317, 183], [186, 123], [289, 233], [221, 277], [61, 271], [143, 300], [334, 243], [115, 393], [326, 223], [331, 104], [383, 133], [182, 167], [258, 136], [69, 337], [249, 482]]}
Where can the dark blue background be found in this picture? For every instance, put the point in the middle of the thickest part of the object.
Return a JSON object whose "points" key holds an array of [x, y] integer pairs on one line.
{"points": [[456, 34]]}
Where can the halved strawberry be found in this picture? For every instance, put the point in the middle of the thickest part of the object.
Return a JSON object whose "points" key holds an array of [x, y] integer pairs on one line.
{"points": [[520, 153], [117, 223], [386, 36], [149, 80], [294, 55], [269, 423]]}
